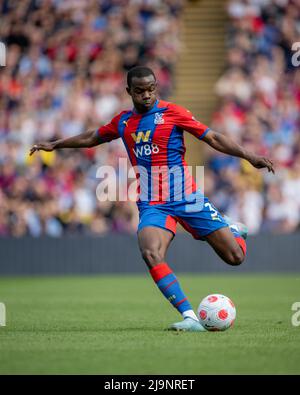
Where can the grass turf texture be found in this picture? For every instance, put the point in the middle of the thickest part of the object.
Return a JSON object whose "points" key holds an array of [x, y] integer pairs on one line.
{"points": [[115, 325]]}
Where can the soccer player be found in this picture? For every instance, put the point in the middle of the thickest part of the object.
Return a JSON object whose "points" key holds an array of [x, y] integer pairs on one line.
{"points": [[152, 133]]}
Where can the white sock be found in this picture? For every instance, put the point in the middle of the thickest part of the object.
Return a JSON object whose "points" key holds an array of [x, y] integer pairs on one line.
{"points": [[190, 313]]}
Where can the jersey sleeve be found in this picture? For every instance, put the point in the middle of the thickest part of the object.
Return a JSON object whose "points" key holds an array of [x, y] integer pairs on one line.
{"points": [[110, 131], [184, 119]]}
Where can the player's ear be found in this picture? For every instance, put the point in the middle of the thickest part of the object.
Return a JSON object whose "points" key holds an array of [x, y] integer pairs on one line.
{"points": [[128, 90]]}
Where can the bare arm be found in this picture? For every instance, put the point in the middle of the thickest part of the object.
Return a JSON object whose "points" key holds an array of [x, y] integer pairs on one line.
{"points": [[226, 145], [84, 140]]}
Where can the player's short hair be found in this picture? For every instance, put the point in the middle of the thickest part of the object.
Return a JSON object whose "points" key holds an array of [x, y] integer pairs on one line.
{"points": [[139, 72]]}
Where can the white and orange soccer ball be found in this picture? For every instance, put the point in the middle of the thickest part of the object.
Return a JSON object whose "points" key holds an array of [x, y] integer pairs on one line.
{"points": [[216, 312]]}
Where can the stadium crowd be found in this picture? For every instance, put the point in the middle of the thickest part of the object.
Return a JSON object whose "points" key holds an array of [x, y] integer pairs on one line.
{"points": [[65, 73], [259, 107]]}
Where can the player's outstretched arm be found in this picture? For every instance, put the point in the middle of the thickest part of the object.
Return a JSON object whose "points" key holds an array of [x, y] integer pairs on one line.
{"points": [[226, 145], [84, 140]]}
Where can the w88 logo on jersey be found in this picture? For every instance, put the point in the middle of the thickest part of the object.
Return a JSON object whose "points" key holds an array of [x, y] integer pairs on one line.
{"points": [[146, 150]]}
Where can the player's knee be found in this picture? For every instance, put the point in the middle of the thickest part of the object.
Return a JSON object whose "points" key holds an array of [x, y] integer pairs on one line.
{"points": [[235, 257], [152, 256]]}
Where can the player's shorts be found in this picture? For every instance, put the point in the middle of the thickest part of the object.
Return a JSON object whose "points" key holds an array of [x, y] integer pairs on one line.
{"points": [[198, 218]]}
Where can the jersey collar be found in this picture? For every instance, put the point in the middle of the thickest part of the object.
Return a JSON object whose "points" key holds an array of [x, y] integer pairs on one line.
{"points": [[154, 109]]}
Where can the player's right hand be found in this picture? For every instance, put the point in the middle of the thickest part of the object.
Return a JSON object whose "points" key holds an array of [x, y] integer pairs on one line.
{"points": [[48, 146]]}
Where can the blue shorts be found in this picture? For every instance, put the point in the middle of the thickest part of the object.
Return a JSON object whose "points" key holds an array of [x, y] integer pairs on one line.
{"points": [[199, 218]]}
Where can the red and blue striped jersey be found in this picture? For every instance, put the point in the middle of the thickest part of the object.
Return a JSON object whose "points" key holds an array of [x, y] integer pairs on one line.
{"points": [[155, 145]]}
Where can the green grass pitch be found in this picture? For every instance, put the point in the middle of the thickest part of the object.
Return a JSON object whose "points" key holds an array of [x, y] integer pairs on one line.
{"points": [[115, 325]]}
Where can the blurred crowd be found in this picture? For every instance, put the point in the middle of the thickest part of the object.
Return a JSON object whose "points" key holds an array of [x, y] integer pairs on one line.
{"points": [[259, 107], [65, 73]]}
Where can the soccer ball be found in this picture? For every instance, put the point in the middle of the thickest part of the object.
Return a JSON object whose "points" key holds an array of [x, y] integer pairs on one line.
{"points": [[216, 312]]}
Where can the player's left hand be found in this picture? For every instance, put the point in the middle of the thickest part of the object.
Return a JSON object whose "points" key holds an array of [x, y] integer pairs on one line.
{"points": [[46, 146], [260, 162]]}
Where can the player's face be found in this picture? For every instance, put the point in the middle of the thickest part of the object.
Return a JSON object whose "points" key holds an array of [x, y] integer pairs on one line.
{"points": [[143, 92]]}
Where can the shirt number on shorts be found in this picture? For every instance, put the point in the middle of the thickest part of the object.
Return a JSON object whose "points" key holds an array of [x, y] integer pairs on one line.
{"points": [[214, 212]]}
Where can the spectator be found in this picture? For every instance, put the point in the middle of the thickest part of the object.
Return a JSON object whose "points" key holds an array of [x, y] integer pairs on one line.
{"points": [[260, 107], [66, 68]]}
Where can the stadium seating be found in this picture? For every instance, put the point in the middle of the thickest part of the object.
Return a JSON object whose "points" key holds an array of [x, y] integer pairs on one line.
{"points": [[65, 73], [259, 107]]}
